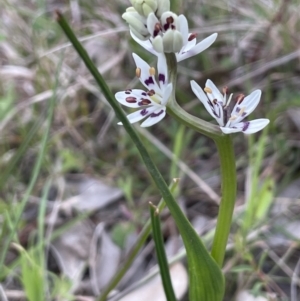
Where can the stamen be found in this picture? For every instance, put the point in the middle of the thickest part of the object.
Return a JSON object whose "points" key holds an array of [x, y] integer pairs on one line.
{"points": [[151, 92], [229, 100], [192, 37], [241, 112], [170, 20], [169, 23], [225, 90], [144, 102], [138, 72], [208, 90], [239, 99], [152, 71], [157, 29]]}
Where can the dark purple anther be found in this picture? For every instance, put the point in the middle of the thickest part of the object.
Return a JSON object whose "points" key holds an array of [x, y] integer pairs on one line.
{"points": [[169, 24], [157, 29], [151, 92], [144, 102], [192, 36], [149, 81], [246, 126]]}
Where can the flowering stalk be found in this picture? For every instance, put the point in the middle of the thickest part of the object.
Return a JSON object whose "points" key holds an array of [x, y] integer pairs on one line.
{"points": [[167, 36], [206, 278]]}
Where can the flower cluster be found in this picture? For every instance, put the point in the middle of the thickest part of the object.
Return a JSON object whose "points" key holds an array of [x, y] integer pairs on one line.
{"points": [[160, 31]]}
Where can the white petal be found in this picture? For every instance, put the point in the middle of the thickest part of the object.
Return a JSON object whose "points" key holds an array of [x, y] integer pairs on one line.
{"points": [[256, 125], [155, 117], [248, 105], [202, 97], [140, 114], [167, 93], [189, 45], [227, 130], [215, 92], [247, 127], [146, 78], [133, 98], [251, 101], [151, 24], [146, 44], [183, 28], [162, 70], [199, 47]]}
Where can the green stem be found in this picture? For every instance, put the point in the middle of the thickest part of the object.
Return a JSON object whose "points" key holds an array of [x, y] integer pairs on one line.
{"points": [[227, 162], [161, 254], [173, 109], [228, 176]]}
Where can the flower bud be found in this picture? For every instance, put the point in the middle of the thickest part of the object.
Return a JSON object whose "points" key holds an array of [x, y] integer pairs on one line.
{"points": [[162, 6], [157, 44], [145, 7], [136, 23], [172, 41]]}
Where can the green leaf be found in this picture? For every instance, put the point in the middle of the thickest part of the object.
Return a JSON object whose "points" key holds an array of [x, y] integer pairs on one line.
{"points": [[32, 276], [264, 198], [6, 102], [242, 268], [206, 278], [161, 254]]}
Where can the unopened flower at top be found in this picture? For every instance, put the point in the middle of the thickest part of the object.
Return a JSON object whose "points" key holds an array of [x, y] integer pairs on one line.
{"points": [[170, 33], [145, 7], [151, 103], [136, 15], [230, 121]]}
